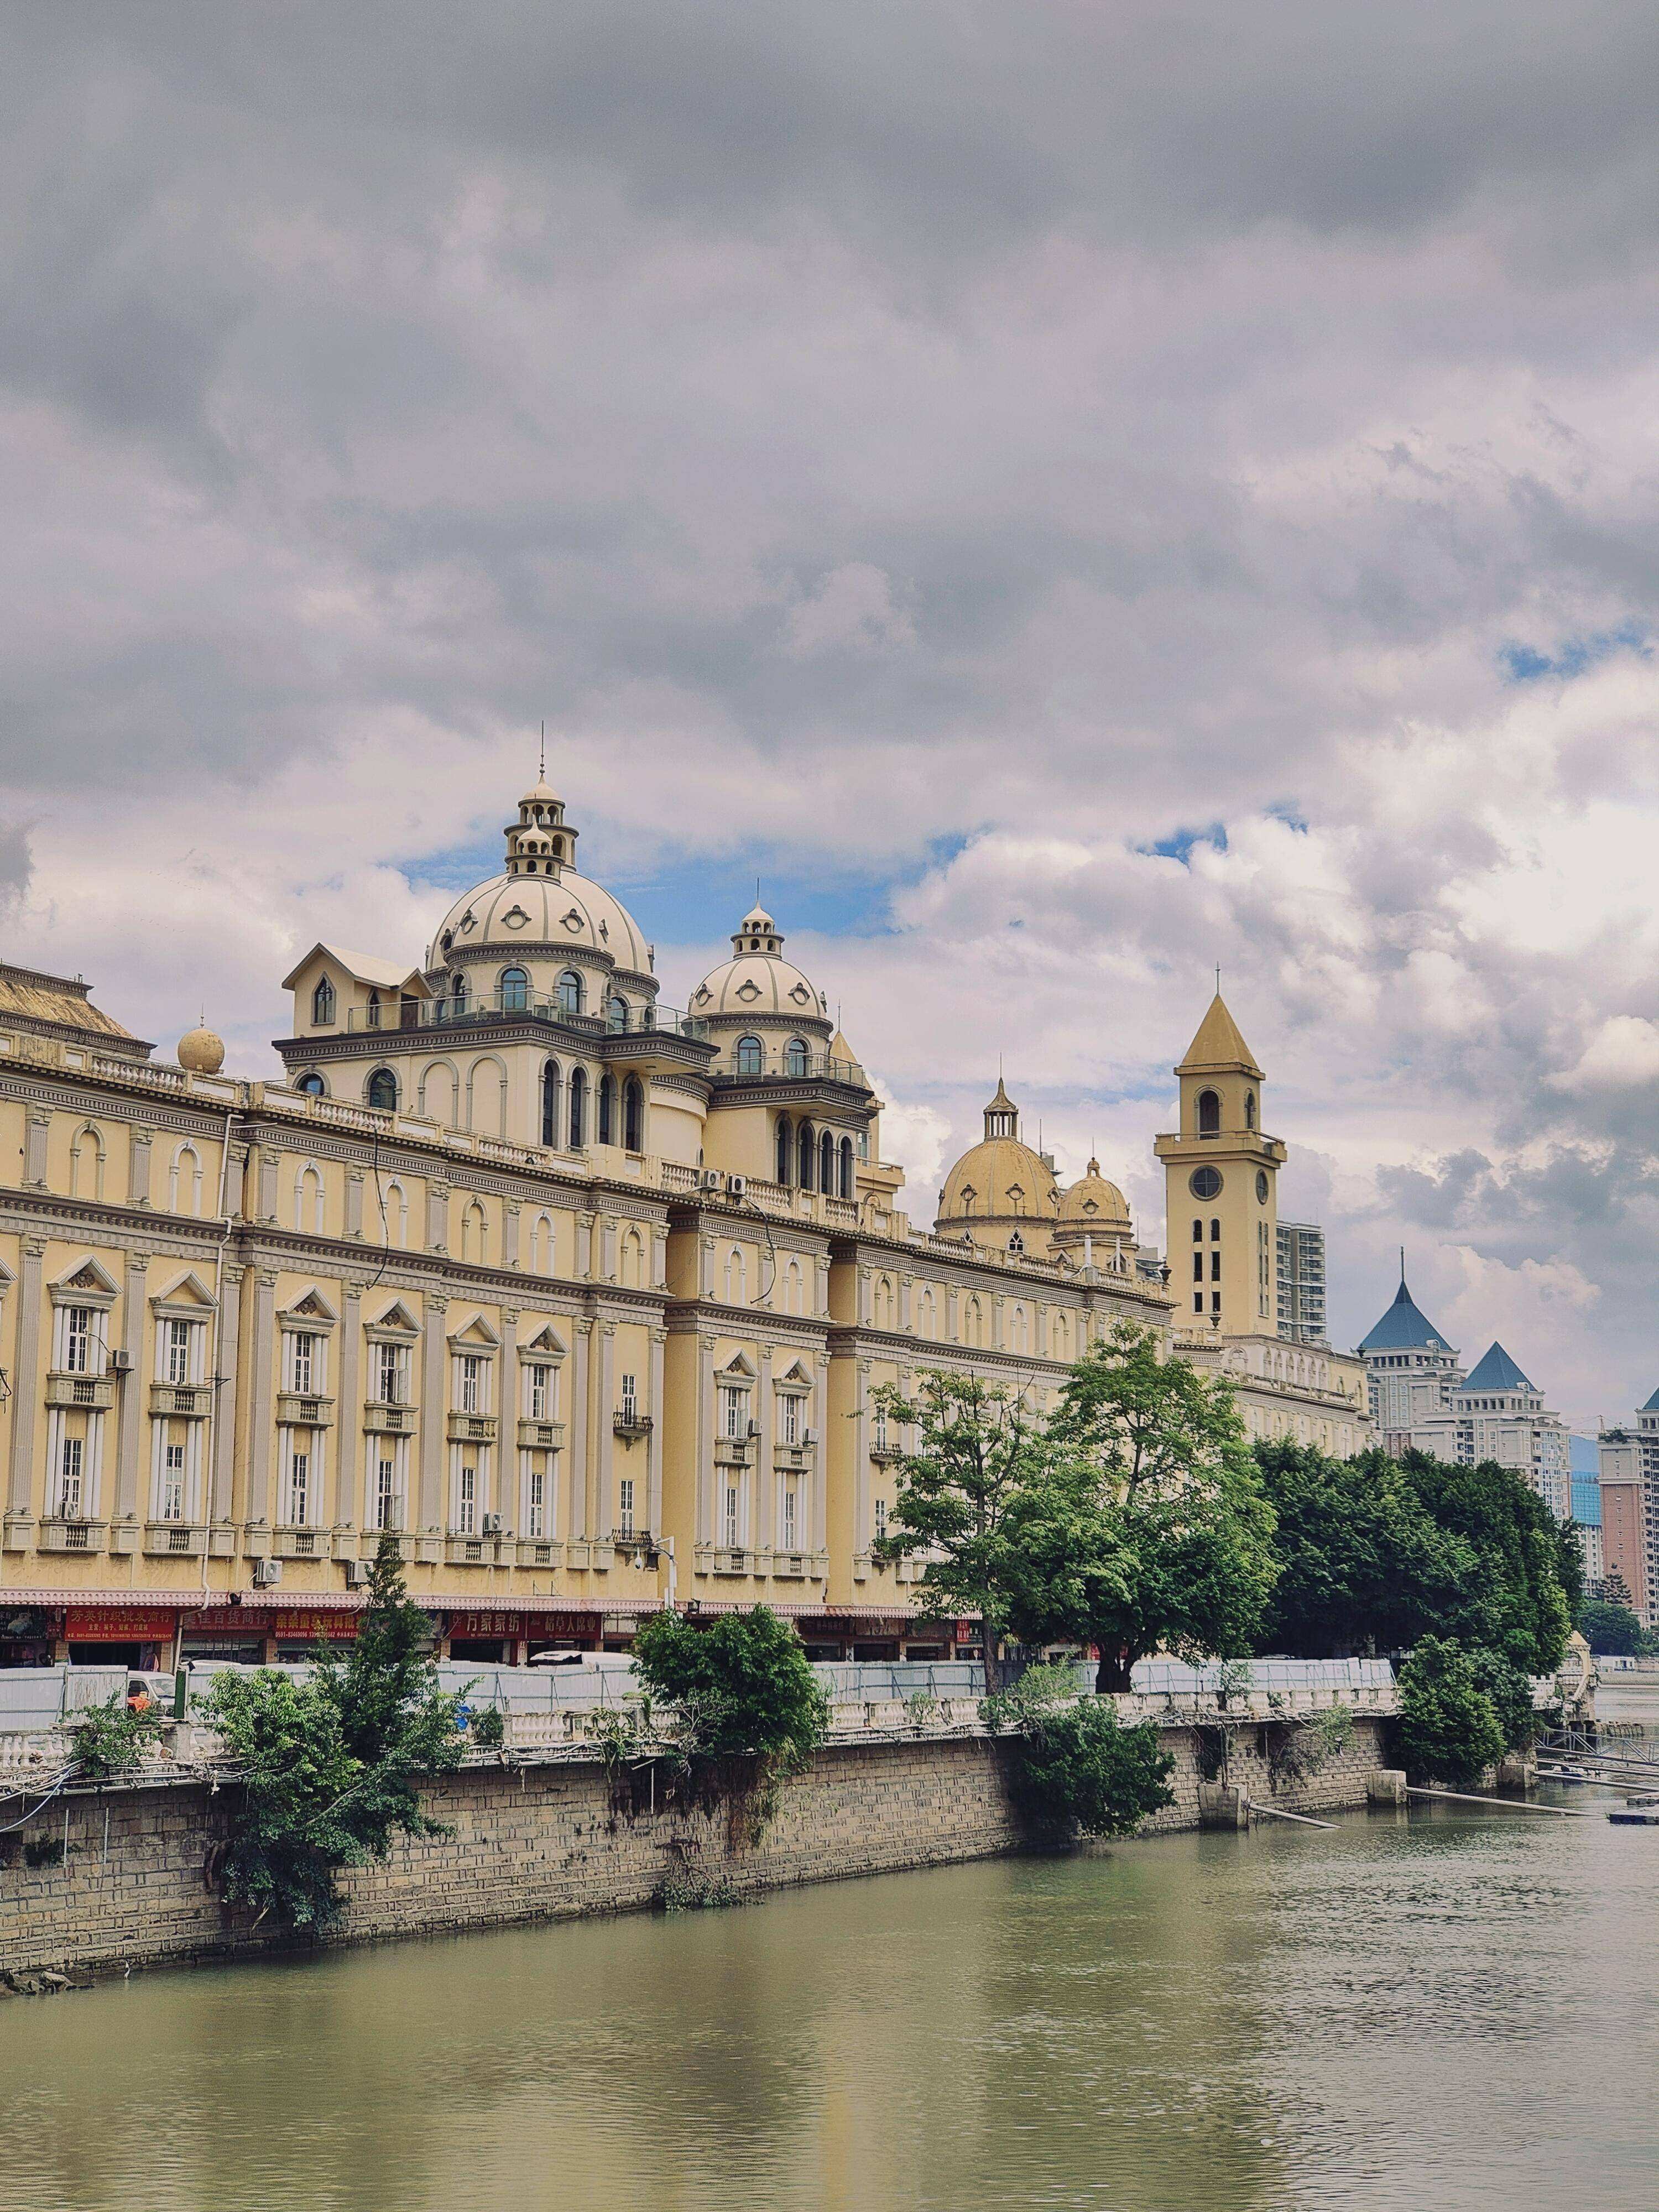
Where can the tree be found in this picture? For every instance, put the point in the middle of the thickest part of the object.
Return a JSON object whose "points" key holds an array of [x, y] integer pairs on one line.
{"points": [[1614, 1590], [1080, 1768], [982, 1496], [741, 1684], [1449, 1730], [1176, 1536], [1510, 1691], [1611, 1631], [1530, 1576], [1362, 1563]]}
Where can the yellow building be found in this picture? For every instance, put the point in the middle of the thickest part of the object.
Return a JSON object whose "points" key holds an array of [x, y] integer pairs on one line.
{"points": [[584, 1297]]}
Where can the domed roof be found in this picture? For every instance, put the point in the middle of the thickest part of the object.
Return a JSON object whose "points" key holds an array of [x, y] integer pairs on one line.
{"points": [[1093, 1203], [541, 916], [202, 1051], [1001, 1178], [757, 982]]}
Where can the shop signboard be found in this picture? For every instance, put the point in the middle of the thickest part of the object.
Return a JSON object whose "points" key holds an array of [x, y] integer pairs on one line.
{"points": [[118, 1624]]}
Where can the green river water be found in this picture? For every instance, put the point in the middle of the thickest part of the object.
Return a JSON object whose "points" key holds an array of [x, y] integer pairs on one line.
{"points": [[1434, 2010]]}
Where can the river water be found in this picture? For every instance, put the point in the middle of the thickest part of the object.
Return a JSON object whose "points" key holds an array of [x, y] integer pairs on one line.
{"points": [[1447, 2010]]}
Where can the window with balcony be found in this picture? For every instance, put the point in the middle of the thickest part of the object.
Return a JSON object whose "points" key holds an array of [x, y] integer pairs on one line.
{"points": [[178, 1351], [607, 1106], [789, 1530], [387, 1493], [784, 1163], [69, 1471], [570, 992], [789, 1423], [733, 1410], [796, 1058], [538, 1393], [471, 1383], [881, 1520], [172, 1482], [304, 1363], [298, 1501], [79, 1327], [383, 1090], [631, 1402], [551, 1102], [625, 1505], [390, 1374], [616, 1016], [633, 1116], [535, 1502]]}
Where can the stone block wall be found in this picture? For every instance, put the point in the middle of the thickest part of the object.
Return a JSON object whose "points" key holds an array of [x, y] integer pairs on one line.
{"points": [[549, 1841]]}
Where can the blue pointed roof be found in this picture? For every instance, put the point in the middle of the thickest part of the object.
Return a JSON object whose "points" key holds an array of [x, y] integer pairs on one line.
{"points": [[1497, 1371], [1404, 1328]]}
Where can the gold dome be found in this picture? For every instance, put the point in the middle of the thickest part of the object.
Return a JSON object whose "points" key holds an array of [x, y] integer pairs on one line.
{"points": [[1093, 1203], [201, 1052], [1000, 1188]]}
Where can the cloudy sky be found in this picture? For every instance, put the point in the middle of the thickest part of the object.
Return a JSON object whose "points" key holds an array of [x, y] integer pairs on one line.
{"points": [[1068, 495]]}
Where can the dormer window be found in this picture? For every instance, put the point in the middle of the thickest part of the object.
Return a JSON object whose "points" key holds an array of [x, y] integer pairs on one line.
{"points": [[322, 1006]]}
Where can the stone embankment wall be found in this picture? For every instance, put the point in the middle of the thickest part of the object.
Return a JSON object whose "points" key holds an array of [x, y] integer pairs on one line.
{"points": [[549, 1840]]}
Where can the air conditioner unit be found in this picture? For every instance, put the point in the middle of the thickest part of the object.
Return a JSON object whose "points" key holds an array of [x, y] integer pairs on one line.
{"points": [[737, 1186], [357, 1574], [808, 1438], [710, 1179], [754, 1428], [267, 1573], [120, 1363], [492, 1524]]}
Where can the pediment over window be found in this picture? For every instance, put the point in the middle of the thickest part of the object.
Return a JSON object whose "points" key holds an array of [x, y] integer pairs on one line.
{"points": [[737, 1369], [86, 1279], [545, 1344], [395, 1321], [475, 1335], [311, 1308], [188, 1290]]}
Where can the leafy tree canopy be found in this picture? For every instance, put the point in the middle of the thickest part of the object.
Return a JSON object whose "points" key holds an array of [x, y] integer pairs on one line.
{"points": [[1530, 1578], [742, 1684], [1450, 1732], [1613, 1631]]}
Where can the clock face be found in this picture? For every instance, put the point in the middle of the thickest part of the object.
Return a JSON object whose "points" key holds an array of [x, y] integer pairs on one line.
{"points": [[1261, 1185], [1205, 1183]]}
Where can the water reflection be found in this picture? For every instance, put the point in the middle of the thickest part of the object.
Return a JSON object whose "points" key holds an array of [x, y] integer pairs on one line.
{"points": [[1454, 2010]]}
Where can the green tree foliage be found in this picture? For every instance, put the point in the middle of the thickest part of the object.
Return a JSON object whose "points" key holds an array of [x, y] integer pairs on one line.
{"points": [[293, 1827], [1510, 1693], [331, 1767], [1450, 1732], [1362, 1562], [742, 1684], [1080, 1768], [394, 1720], [1530, 1577], [1002, 1521], [110, 1739], [1611, 1630], [1175, 1548]]}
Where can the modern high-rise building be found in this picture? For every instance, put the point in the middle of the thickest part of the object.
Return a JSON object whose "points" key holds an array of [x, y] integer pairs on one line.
{"points": [[1586, 1505], [1301, 1281], [1411, 1371], [1629, 1486]]}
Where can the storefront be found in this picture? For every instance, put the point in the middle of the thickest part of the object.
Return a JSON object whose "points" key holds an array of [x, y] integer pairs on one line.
{"points": [[27, 1634], [142, 1637], [505, 1637], [259, 1635]]}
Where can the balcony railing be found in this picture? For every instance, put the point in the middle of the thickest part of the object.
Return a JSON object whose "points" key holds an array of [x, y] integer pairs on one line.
{"points": [[628, 1018], [772, 1061], [472, 1428], [189, 1402], [95, 1392]]}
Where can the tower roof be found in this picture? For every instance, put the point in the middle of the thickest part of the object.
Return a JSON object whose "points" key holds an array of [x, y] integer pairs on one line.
{"points": [[1404, 1327], [1652, 1406], [1219, 1043], [1497, 1371]]}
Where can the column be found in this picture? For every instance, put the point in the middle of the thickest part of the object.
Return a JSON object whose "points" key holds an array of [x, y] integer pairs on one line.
{"points": [[348, 1410], [604, 1440], [433, 1404], [510, 1212], [704, 1532], [227, 1394], [584, 1247], [132, 1388], [353, 1202], [26, 1386], [766, 1413], [507, 1419], [823, 1306], [820, 1500], [705, 1266], [660, 1256], [861, 1456], [577, 1432], [653, 1442], [34, 1145], [138, 1161], [267, 1183], [437, 1216], [260, 1401]]}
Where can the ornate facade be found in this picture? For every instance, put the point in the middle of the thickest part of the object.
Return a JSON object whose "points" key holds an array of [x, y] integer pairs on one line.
{"points": [[582, 1296]]}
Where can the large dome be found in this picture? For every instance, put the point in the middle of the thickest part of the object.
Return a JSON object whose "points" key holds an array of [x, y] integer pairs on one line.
{"points": [[542, 914], [757, 982], [1000, 1180]]}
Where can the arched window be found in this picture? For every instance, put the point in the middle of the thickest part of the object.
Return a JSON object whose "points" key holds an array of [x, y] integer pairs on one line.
{"points": [[785, 1149], [515, 990], [633, 1116], [457, 996], [807, 1147], [1020, 1334], [185, 1180], [750, 1056], [846, 1167], [394, 1206], [474, 1234], [578, 1109], [372, 1012], [1215, 1231], [827, 1163], [927, 1316], [970, 1323], [87, 1164], [541, 1246], [794, 1289], [1209, 1113], [551, 1102], [570, 992], [1016, 1242], [795, 1057], [383, 1090], [308, 1199], [630, 1261], [616, 1016], [312, 1084], [322, 1006], [607, 1132], [1249, 1109], [737, 1278]]}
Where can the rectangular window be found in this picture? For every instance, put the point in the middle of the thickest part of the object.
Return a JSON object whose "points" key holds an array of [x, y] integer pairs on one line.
{"points": [[470, 1382], [536, 1502], [789, 1419], [1198, 1267], [789, 1517], [625, 1505], [1198, 1301], [299, 1489], [77, 1340], [177, 1351], [302, 1363], [385, 1493], [172, 1483], [734, 1411], [468, 1510], [1215, 1266], [631, 1402], [539, 1398], [881, 1430], [730, 1537], [881, 1519], [69, 1502], [388, 1377], [1215, 1302]]}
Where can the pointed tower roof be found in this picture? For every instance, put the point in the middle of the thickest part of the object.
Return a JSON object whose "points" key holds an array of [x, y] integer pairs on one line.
{"points": [[1404, 1327], [1497, 1371], [1218, 1044], [1001, 1115], [1652, 1406]]}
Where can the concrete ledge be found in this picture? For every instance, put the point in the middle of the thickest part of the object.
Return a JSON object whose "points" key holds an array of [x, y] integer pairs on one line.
{"points": [[1385, 1785]]}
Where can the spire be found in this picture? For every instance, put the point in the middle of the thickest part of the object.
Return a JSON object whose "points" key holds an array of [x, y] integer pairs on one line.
{"points": [[1001, 1115], [1218, 1044]]}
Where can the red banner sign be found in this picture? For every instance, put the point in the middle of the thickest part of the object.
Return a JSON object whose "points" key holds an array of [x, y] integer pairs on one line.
{"points": [[245, 1621], [479, 1625], [118, 1624]]}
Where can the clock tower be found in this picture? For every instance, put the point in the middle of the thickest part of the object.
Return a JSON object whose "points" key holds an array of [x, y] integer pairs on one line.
{"points": [[1221, 1176]]}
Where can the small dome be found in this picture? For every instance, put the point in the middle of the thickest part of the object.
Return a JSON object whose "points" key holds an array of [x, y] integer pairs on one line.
{"points": [[999, 1180], [1093, 1203], [201, 1052], [758, 981], [541, 916]]}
